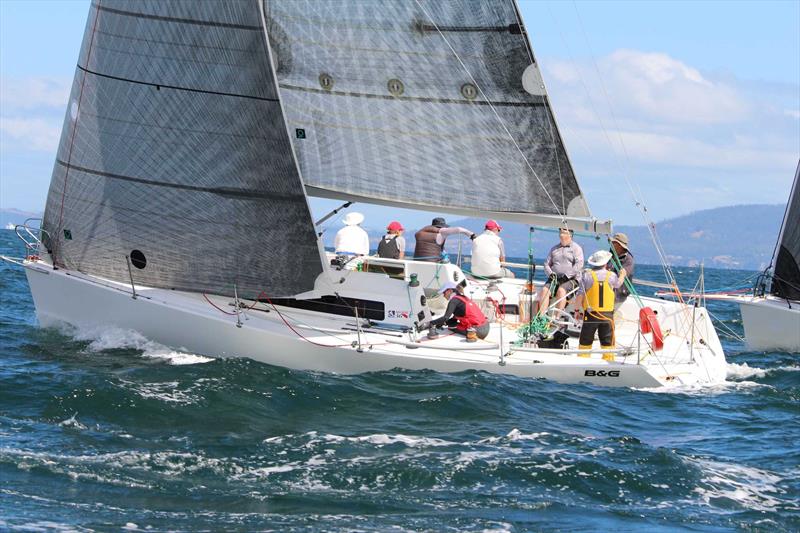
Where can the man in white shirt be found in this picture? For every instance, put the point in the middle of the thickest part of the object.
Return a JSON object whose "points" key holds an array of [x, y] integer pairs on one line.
{"points": [[352, 239], [488, 252]]}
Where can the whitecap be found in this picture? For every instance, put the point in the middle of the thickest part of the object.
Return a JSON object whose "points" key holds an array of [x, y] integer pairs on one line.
{"points": [[72, 422], [383, 439], [750, 487], [744, 371], [514, 435], [111, 338]]}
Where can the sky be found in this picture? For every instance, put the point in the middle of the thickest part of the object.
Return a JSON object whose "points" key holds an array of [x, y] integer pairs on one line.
{"points": [[696, 103]]}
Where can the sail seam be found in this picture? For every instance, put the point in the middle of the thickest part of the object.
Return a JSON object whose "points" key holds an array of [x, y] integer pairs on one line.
{"points": [[411, 98], [176, 87], [178, 20], [222, 191]]}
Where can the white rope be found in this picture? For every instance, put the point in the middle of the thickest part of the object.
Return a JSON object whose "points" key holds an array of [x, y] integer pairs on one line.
{"points": [[491, 106]]}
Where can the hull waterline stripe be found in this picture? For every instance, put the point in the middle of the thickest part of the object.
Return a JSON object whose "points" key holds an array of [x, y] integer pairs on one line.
{"points": [[222, 191], [160, 86]]}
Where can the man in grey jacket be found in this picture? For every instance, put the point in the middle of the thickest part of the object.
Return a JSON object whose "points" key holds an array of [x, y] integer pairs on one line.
{"points": [[563, 265]]}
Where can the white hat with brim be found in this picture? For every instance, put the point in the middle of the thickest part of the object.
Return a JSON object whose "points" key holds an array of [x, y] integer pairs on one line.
{"points": [[353, 219], [600, 258], [448, 286]]}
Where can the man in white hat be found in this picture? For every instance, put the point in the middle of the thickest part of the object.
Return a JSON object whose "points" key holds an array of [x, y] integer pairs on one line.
{"points": [[597, 286], [352, 239]]}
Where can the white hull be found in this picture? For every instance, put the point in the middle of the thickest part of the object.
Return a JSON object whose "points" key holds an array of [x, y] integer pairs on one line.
{"points": [[770, 323], [185, 321]]}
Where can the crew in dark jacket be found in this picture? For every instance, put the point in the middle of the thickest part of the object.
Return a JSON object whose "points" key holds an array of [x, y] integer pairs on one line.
{"points": [[430, 240]]}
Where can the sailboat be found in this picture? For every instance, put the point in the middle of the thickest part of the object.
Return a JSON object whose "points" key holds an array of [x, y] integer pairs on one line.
{"points": [[196, 131], [771, 311]]}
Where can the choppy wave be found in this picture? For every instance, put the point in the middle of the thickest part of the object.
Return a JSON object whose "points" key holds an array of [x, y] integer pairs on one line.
{"points": [[104, 430]]}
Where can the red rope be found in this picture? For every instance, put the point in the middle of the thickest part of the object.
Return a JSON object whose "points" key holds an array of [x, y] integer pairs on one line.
{"points": [[218, 308], [297, 332]]}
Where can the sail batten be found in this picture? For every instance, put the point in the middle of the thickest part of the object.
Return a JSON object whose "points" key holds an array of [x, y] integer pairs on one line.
{"points": [[174, 149], [420, 104]]}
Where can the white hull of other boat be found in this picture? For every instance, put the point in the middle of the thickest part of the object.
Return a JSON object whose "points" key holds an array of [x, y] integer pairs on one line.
{"points": [[771, 323], [310, 340]]}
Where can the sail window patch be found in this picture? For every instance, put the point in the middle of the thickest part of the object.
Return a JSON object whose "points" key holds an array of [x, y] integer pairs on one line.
{"points": [[469, 91], [138, 259], [68, 234], [395, 87], [300, 133], [326, 81]]}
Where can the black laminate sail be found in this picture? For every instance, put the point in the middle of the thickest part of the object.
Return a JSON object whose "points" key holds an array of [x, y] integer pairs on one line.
{"points": [[786, 265], [174, 152]]}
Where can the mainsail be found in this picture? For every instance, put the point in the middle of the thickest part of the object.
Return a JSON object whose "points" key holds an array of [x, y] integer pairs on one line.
{"points": [[786, 271], [421, 104], [174, 152]]}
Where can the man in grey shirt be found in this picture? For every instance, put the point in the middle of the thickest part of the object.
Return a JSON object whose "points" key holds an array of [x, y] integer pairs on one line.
{"points": [[563, 265]]}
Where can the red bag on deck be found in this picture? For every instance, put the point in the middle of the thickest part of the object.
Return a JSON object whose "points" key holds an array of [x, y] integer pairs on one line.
{"points": [[648, 323]]}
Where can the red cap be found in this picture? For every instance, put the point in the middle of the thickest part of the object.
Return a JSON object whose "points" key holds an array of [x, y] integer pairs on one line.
{"points": [[492, 224], [395, 226]]}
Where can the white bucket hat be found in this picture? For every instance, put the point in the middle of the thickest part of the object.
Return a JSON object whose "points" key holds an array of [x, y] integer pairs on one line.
{"points": [[448, 286], [600, 258], [353, 219]]}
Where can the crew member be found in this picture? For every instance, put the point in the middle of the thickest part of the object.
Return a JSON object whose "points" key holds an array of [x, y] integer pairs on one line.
{"points": [[461, 313], [619, 246], [393, 245], [430, 240], [562, 267], [352, 239], [488, 253], [597, 286]]}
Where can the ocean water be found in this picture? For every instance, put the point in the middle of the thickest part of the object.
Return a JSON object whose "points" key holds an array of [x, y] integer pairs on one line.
{"points": [[107, 431]]}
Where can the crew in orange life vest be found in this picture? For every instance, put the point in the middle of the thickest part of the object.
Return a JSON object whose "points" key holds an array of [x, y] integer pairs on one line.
{"points": [[597, 287], [461, 313]]}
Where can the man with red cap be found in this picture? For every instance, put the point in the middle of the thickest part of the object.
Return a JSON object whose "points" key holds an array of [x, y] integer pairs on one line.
{"points": [[392, 245], [488, 253]]}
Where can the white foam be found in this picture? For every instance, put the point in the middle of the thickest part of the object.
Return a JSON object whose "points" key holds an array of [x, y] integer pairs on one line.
{"points": [[514, 435], [750, 487], [744, 371], [166, 391], [72, 422], [382, 439], [267, 470], [110, 338], [706, 389]]}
